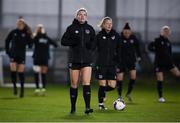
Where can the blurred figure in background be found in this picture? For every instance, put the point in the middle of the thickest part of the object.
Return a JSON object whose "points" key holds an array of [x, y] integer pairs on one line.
{"points": [[15, 45], [78, 37], [41, 56], [163, 58], [129, 55]]}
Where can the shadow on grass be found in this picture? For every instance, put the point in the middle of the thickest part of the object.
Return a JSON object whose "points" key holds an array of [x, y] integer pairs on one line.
{"points": [[109, 111], [131, 103], [9, 98], [167, 102], [36, 96], [76, 117]]}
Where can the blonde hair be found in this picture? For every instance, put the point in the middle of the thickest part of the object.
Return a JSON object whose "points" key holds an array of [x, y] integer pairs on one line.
{"points": [[37, 28], [80, 9], [21, 20], [103, 21], [163, 28]]}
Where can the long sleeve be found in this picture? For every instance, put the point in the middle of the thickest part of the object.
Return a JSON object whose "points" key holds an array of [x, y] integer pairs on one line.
{"points": [[151, 46], [67, 39], [7, 42], [30, 41], [52, 42], [137, 46]]}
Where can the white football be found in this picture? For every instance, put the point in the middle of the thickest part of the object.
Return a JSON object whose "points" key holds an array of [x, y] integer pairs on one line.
{"points": [[119, 105]]}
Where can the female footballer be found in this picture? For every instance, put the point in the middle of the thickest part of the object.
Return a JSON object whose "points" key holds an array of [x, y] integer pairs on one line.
{"points": [[15, 45], [130, 53], [78, 37], [41, 56], [106, 42], [163, 58]]}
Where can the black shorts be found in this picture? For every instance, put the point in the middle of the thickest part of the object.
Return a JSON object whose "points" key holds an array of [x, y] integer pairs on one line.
{"points": [[78, 66], [41, 62], [17, 59], [123, 67], [106, 73], [161, 68]]}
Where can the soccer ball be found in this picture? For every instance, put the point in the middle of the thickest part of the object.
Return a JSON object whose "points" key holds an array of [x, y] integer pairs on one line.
{"points": [[119, 105]]}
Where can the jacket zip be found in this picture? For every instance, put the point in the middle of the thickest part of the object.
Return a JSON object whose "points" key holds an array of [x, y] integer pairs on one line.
{"points": [[82, 43], [108, 52]]}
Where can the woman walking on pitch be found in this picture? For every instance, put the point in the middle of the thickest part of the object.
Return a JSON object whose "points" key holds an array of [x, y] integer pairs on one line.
{"points": [[106, 42], [15, 45], [78, 37], [41, 56], [130, 54], [163, 58]]}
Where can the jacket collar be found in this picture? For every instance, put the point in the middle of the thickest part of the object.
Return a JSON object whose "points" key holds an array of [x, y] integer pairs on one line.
{"points": [[76, 22], [110, 33], [164, 38]]}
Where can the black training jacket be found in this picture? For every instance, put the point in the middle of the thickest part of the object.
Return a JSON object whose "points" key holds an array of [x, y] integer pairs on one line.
{"points": [[129, 49], [41, 46], [107, 45], [16, 42], [79, 37], [162, 49]]}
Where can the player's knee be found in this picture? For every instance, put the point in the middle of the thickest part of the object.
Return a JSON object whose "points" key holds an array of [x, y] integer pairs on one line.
{"points": [[119, 78], [86, 83], [74, 85], [13, 67], [112, 85], [133, 77], [21, 68], [160, 79], [177, 74], [102, 83]]}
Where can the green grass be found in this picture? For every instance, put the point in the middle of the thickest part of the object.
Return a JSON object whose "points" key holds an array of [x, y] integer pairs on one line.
{"points": [[55, 105]]}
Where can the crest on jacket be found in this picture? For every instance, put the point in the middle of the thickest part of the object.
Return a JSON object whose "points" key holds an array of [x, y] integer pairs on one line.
{"points": [[132, 41], [76, 31], [113, 37], [87, 31]]}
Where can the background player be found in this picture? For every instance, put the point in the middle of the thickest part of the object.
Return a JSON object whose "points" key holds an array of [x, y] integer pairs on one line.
{"points": [[163, 58], [41, 56], [130, 53], [15, 45]]}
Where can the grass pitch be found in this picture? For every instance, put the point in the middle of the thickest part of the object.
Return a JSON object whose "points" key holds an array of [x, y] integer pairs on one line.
{"points": [[55, 106]]}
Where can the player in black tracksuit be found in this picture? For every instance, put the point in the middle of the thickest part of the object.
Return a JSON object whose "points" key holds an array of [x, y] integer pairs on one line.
{"points": [[130, 53], [163, 58], [41, 56], [106, 43], [15, 45], [78, 37]]}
